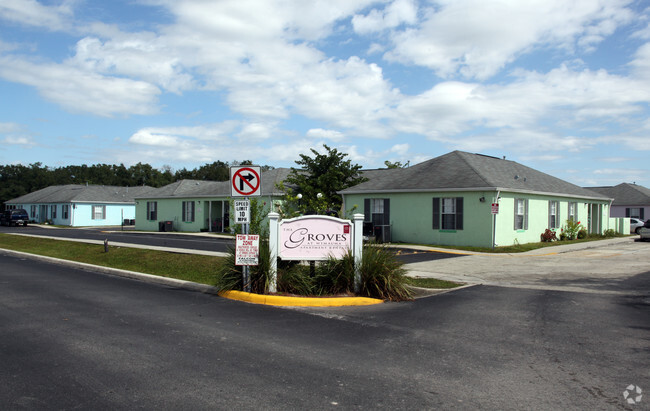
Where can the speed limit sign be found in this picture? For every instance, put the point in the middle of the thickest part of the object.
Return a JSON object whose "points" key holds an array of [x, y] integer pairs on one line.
{"points": [[242, 212]]}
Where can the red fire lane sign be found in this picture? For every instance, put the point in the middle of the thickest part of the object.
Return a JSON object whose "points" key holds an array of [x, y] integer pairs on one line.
{"points": [[247, 249]]}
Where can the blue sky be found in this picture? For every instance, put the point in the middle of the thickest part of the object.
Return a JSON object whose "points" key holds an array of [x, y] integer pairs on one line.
{"points": [[563, 87]]}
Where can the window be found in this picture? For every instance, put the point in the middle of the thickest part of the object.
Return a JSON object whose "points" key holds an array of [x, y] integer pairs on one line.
{"points": [[553, 214], [377, 211], [65, 210], [152, 210], [635, 213], [188, 211], [32, 211], [54, 207], [448, 213], [521, 214], [573, 207], [99, 212]]}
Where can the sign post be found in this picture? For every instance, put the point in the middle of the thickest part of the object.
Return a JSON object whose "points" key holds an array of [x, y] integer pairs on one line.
{"points": [[245, 181], [247, 249], [242, 212]]}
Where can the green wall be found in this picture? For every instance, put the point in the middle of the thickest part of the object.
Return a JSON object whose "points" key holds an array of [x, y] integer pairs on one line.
{"points": [[411, 217], [170, 209]]}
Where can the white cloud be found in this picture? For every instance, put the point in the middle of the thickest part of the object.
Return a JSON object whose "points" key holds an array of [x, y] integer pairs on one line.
{"points": [[33, 13], [255, 132], [393, 15], [16, 135], [82, 91], [322, 134], [142, 55], [477, 38]]}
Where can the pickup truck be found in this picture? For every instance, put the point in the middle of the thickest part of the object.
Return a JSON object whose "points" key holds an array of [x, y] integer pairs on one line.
{"points": [[14, 217]]}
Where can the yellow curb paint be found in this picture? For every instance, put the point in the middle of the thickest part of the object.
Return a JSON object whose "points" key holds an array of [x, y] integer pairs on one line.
{"points": [[298, 301]]}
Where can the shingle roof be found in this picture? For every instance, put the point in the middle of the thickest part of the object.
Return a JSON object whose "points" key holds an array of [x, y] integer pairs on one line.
{"points": [[460, 170], [75, 193], [200, 188], [625, 194]]}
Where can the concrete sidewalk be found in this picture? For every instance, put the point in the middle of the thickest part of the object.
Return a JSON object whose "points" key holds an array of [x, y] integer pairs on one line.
{"points": [[583, 267]]}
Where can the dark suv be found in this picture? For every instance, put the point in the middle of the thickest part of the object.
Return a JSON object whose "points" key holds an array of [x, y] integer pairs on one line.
{"points": [[14, 217]]}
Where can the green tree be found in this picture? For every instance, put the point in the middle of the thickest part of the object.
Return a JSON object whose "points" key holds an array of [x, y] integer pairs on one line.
{"points": [[318, 180], [397, 164]]}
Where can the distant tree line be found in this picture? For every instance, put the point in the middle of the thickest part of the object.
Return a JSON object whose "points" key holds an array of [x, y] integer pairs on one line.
{"points": [[18, 180]]}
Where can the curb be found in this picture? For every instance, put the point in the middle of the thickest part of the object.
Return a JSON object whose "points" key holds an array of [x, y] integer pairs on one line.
{"points": [[298, 301], [147, 278]]}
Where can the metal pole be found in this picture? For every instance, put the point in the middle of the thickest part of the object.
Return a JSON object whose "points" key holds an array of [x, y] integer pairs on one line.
{"points": [[246, 270]]}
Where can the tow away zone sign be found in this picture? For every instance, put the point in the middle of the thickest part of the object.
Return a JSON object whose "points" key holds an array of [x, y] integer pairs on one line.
{"points": [[247, 249]]}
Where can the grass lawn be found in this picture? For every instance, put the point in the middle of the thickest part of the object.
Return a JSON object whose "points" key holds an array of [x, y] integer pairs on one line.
{"points": [[431, 283], [195, 268]]}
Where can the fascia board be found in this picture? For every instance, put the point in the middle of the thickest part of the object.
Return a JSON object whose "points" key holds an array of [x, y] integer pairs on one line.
{"points": [[473, 189]]}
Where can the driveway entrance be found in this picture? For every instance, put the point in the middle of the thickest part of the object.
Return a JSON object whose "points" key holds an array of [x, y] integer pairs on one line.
{"points": [[596, 267]]}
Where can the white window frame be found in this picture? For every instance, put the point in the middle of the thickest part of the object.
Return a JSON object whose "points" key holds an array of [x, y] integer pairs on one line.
{"points": [[521, 214], [65, 211], [188, 211], [448, 213], [152, 210], [572, 211], [98, 212], [553, 214]]}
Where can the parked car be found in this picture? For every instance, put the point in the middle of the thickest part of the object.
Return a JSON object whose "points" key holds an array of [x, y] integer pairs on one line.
{"points": [[635, 225], [644, 232], [17, 216]]}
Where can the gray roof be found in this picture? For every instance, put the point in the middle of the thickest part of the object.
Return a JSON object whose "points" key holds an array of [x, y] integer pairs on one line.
{"points": [[202, 188], [625, 194], [459, 170], [76, 193]]}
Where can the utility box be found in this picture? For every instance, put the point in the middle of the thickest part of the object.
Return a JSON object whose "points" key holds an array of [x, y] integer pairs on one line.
{"points": [[165, 226]]}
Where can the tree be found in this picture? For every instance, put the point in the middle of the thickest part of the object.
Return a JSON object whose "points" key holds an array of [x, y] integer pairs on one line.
{"points": [[397, 164], [324, 174]]}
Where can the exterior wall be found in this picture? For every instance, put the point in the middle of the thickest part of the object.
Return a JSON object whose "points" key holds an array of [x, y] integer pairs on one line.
{"points": [[115, 214], [79, 215], [411, 217], [620, 225], [206, 213], [619, 211]]}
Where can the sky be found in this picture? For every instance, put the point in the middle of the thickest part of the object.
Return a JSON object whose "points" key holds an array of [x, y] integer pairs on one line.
{"points": [[559, 86]]}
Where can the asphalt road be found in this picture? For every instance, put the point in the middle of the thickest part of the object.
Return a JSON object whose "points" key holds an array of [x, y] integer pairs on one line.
{"points": [[78, 339], [180, 241], [114, 235]]}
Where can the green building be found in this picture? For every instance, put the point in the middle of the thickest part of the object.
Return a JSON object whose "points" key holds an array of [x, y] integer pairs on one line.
{"points": [[197, 205], [469, 199]]}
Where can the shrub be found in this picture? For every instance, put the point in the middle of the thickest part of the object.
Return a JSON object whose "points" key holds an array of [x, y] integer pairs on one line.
{"points": [[294, 279], [563, 235], [548, 235], [610, 233], [335, 276], [382, 275], [582, 233], [572, 229], [229, 275]]}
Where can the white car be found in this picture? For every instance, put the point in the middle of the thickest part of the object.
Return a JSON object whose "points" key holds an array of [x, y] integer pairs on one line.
{"points": [[636, 225]]}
